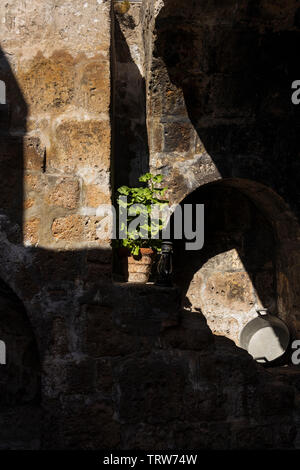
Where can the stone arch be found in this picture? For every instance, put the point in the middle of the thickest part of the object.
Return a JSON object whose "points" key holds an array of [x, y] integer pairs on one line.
{"points": [[20, 376], [276, 222], [19, 272]]}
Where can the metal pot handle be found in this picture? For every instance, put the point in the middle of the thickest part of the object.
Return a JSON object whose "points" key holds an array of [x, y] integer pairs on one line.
{"points": [[262, 310]]}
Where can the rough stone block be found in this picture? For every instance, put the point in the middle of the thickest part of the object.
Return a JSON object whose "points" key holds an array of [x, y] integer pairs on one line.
{"points": [[65, 193], [32, 182], [203, 403], [29, 202], [31, 231], [69, 228], [174, 103], [76, 228], [275, 398], [59, 265], [33, 154], [229, 290], [155, 383], [203, 435], [80, 376], [90, 426], [93, 92], [48, 83], [104, 380], [182, 338], [145, 309], [94, 196], [103, 337], [98, 272], [178, 137], [80, 144], [157, 136]]}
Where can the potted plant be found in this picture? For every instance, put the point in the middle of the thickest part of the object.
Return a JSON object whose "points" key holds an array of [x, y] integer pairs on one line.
{"points": [[139, 227]]}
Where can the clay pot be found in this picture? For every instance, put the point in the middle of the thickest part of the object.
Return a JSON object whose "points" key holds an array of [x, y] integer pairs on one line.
{"points": [[137, 269]]}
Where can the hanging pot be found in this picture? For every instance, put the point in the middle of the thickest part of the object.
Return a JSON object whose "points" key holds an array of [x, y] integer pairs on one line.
{"points": [[266, 337]]}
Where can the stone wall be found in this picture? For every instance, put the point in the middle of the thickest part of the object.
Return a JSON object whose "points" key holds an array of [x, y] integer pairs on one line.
{"points": [[55, 161], [20, 378], [219, 107], [90, 105], [131, 153]]}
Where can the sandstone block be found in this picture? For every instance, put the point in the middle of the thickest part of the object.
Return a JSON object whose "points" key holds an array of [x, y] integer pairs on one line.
{"points": [[90, 426], [103, 338], [229, 290], [79, 144], [157, 137], [76, 228], [69, 228], [177, 137], [174, 101], [94, 196], [144, 385], [225, 326], [64, 194], [94, 87], [33, 154], [48, 83], [31, 182], [28, 203], [30, 231]]}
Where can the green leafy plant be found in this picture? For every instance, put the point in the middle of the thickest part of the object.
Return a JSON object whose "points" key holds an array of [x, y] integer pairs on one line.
{"points": [[143, 198]]}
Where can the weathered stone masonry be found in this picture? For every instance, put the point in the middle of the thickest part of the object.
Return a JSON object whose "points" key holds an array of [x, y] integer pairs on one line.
{"points": [[97, 93]]}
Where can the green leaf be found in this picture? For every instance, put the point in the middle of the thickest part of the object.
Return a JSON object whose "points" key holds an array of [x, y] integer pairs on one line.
{"points": [[157, 178], [146, 177], [122, 203], [136, 251], [145, 197], [124, 190]]}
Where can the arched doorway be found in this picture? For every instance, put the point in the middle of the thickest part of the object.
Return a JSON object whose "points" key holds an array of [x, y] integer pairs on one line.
{"points": [[19, 376], [249, 259]]}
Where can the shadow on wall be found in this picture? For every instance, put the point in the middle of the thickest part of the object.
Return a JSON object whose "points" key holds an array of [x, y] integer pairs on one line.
{"points": [[131, 152], [13, 113], [235, 68], [235, 64], [48, 284], [89, 358], [20, 386], [235, 273]]}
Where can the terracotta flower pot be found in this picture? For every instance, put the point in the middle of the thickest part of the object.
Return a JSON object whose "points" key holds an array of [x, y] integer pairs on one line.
{"points": [[137, 269]]}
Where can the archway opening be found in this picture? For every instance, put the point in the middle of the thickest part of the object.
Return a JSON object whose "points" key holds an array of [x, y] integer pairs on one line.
{"points": [[243, 265], [19, 376]]}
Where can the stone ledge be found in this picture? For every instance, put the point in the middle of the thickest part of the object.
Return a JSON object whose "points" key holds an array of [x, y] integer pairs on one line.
{"points": [[138, 309], [141, 286]]}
